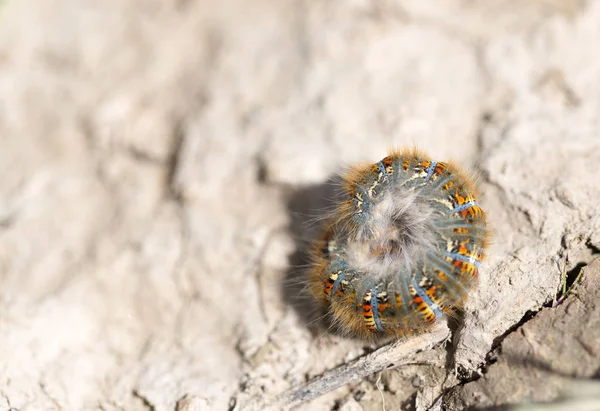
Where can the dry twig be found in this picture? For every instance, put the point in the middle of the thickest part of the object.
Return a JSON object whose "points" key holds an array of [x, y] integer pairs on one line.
{"points": [[390, 356]]}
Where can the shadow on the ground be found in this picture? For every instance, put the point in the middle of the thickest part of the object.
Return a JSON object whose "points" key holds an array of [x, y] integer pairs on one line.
{"points": [[308, 208]]}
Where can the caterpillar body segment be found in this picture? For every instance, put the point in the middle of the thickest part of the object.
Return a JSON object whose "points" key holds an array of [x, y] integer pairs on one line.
{"points": [[402, 250]]}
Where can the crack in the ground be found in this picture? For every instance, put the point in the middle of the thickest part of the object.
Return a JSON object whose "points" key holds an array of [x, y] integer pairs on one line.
{"points": [[145, 401], [174, 162], [466, 377], [50, 397], [593, 248], [3, 395]]}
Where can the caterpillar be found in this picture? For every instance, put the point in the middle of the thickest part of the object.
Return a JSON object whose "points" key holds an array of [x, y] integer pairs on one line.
{"points": [[402, 248]]}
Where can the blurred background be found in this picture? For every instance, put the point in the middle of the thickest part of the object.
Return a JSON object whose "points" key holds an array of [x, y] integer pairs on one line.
{"points": [[153, 154]]}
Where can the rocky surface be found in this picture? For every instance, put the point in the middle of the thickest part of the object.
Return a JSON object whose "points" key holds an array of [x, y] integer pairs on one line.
{"points": [[162, 165], [548, 357]]}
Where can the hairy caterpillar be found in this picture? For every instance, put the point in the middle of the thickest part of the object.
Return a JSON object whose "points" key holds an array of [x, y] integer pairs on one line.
{"points": [[402, 249]]}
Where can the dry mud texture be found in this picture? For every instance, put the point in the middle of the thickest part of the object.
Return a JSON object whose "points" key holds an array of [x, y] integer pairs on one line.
{"points": [[160, 163]]}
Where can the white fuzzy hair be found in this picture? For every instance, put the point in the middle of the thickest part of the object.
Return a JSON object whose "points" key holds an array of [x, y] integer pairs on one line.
{"points": [[395, 235]]}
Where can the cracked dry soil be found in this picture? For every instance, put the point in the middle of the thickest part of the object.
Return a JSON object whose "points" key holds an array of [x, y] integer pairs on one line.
{"points": [[162, 164]]}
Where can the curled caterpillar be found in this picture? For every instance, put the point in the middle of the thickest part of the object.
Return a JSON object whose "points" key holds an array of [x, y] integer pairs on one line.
{"points": [[402, 249]]}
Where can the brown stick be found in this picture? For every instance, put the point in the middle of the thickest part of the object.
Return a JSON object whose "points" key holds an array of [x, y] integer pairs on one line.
{"points": [[392, 355]]}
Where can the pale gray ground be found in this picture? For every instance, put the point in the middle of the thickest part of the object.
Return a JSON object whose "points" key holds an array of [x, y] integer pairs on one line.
{"points": [[160, 162]]}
